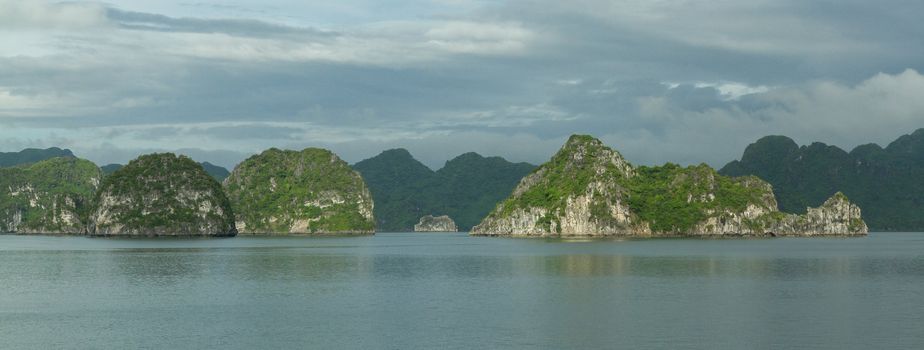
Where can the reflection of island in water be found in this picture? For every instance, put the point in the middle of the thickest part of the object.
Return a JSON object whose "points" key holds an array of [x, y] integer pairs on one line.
{"points": [[588, 265], [443, 291], [157, 265], [170, 265]]}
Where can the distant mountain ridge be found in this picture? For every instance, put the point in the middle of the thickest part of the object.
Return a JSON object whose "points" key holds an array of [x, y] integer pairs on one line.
{"points": [[32, 155], [887, 183], [35, 155], [466, 188], [218, 172]]}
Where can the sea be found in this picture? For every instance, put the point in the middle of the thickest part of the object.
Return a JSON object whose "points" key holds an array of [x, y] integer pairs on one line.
{"points": [[453, 291]]}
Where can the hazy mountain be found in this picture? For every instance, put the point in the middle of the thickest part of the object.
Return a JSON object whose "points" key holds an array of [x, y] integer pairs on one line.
{"points": [[108, 169], [32, 155], [219, 173], [885, 182], [467, 188]]}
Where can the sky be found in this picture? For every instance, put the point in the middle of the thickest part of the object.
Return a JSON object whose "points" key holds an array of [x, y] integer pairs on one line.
{"points": [[682, 81]]}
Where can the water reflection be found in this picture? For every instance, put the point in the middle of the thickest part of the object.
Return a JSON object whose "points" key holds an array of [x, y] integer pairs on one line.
{"points": [[157, 266], [444, 291]]}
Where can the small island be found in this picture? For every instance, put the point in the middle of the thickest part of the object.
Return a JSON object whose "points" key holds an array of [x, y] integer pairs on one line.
{"points": [[308, 192], [432, 223], [589, 189], [51, 196], [161, 195]]}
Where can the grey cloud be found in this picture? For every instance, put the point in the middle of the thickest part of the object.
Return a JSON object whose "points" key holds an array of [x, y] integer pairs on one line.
{"points": [[239, 27], [584, 69], [109, 154], [282, 134]]}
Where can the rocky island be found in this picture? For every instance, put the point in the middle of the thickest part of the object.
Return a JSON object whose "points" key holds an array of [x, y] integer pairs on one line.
{"points": [[281, 192], [432, 223], [589, 189], [162, 195], [52, 196]]}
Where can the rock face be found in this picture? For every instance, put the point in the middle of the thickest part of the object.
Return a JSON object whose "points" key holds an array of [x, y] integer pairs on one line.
{"points": [[49, 197], [432, 223], [308, 192], [162, 195], [588, 189]]}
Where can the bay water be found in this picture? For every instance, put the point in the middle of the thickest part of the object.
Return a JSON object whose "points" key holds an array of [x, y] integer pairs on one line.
{"points": [[452, 291]]}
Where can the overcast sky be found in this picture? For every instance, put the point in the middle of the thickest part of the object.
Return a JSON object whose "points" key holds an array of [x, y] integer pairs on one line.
{"points": [[684, 81]]}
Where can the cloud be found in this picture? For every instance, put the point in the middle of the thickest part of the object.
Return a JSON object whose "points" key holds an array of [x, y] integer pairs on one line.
{"points": [[682, 81], [41, 15], [878, 109], [732, 90], [755, 26], [236, 27], [479, 38], [507, 117]]}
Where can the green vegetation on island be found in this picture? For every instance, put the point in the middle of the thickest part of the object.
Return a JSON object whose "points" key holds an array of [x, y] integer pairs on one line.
{"points": [[661, 195], [299, 192], [217, 172], [466, 188], [590, 189], [885, 182], [162, 195], [52, 196]]}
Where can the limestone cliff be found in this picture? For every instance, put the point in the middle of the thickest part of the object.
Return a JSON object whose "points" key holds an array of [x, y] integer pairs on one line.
{"points": [[162, 195], [299, 192], [49, 197], [432, 223], [588, 189]]}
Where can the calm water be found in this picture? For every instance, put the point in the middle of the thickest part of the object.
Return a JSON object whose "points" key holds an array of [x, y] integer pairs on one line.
{"points": [[405, 290]]}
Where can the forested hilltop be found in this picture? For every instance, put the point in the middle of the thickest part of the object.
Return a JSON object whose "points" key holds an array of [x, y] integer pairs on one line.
{"points": [[217, 172], [589, 189], [312, 191], [50, 196], [161, 194], [276, 192], [888, 183], [466, 188]]}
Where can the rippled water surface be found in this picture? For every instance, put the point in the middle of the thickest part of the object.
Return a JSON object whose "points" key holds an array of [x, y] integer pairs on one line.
{"points": [[406, 290]]}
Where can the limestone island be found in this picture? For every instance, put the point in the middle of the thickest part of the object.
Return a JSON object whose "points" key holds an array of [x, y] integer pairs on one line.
{"points": [[161, 195], [308, 192], [52, 196], [588, 189], [432, 223]]}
